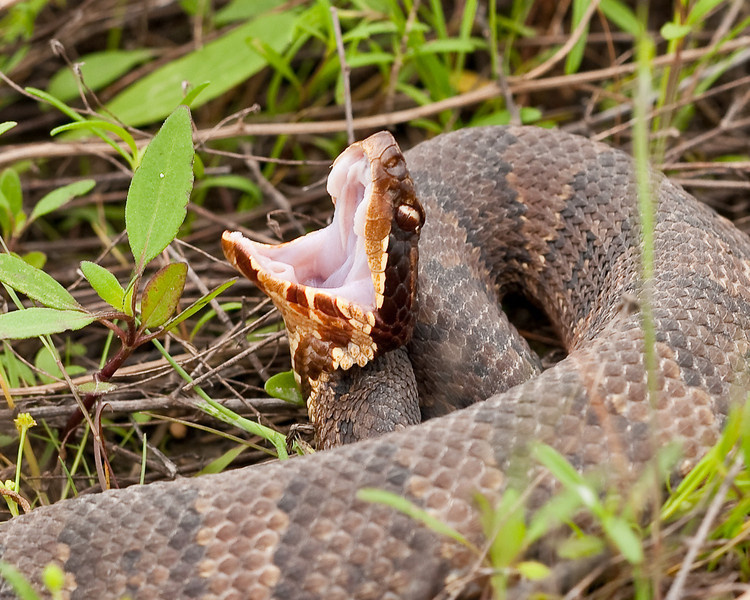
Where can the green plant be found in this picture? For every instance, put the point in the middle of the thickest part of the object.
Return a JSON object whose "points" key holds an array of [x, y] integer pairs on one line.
{"points": [[14, 221], [225, 62], [18, 582], [509, 530], [17, 23], [23, 423], [53, 578], [138, 314]]}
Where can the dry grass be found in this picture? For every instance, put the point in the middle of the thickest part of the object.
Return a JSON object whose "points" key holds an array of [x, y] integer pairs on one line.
{"points": [[283, 146]]}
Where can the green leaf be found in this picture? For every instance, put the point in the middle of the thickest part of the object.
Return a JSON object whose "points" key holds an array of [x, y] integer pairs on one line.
{"points": [[74, 370], [579, 547], [241, 10], [562, 507], [209, 315], [622, 16], [17, 373], [98, 127], [558, 466], [96, 387], [6, 126], [435, 75], [104, 283], [35, 283], [10, 187], [700, 9], [411, 510], [189, 98], [225, 62], [54, 579], [450, 45], [61, 196], [35, 259], [369, 29], [159, 192], [258, 335], [355, 61], [234, 182], [623, 536], [127, 302], [505, 525], [284, 386], [674, 31], [5, 214], [45, 362], [712, 465], [575, 56], [529, 114], [566, 474], [198, 304], [515, 26], [220, 464], [17, 581], [61, 106], [98, 70], [33, 322], [276, 60], [533, 570], [162, 294], [20, 222], [745, 439]]}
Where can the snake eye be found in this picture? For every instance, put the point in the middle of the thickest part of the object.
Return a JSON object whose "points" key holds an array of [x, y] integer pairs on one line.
{"points": [[408, 218]]}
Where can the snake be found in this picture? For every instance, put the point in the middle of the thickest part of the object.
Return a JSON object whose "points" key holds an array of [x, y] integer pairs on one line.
{"points": [[655, 355]]}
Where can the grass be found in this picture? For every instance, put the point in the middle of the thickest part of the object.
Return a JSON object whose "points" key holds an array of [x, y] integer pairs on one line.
{"points": [[701, 527], [267, 97]]}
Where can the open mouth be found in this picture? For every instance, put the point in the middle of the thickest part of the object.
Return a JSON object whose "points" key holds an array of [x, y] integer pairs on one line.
{"points": [[332, 260], [346, 292]]}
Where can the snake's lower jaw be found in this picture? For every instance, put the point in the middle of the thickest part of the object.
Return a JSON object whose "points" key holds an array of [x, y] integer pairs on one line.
{"points": [[347, 293]]}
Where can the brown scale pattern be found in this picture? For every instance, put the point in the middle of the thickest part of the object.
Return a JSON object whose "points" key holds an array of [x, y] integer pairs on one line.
{"points": [[558, 212]]}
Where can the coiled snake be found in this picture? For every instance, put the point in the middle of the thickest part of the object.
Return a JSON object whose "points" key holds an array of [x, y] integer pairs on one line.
{"points": [[550, 214]]}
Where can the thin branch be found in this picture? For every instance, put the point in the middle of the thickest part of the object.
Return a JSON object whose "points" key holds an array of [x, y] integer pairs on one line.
{"points": [[17, 498], [272, 192], [345, 72], [249, 351]]}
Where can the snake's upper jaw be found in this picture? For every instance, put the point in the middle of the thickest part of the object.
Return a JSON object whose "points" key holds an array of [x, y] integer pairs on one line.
{"points": [[347, 292]]}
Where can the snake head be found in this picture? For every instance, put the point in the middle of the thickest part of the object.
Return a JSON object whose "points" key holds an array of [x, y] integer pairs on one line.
{"points": [[347, 292]]}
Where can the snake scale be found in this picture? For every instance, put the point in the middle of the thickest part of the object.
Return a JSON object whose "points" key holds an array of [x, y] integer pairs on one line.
{"points": [[544, 212]]}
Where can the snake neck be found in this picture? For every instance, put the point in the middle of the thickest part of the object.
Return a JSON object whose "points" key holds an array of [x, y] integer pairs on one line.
{"points": [[364, 402]]}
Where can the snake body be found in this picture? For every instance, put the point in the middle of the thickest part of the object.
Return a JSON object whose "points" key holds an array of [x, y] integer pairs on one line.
{"points": [[550, 214]]}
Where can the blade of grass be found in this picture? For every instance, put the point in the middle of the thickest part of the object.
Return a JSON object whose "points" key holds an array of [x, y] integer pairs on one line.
{"points": [[228, 416]]}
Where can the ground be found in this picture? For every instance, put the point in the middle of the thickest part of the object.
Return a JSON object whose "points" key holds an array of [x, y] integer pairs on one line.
{"points": [[266, 129]]}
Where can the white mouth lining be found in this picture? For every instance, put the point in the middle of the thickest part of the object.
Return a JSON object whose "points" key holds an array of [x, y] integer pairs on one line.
{"points": [[333, 259]]}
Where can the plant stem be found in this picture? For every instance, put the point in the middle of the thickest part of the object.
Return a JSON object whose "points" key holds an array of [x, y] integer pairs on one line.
{"points": [[104, 375]]}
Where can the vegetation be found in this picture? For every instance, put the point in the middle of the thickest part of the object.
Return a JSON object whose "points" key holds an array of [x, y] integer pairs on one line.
{"points": [[110, 231]]}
